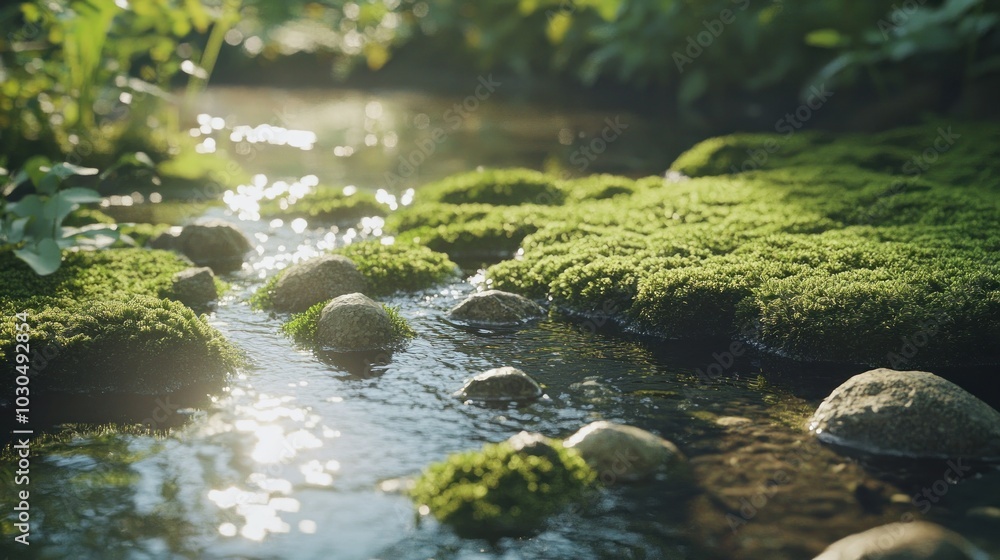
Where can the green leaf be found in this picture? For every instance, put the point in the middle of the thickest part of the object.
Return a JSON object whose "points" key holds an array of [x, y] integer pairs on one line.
{"points": [[93, 235], [44, 257], [64, 170], [36, 168], [15, 231], [28, 206], [80, 195], [57, 207]]}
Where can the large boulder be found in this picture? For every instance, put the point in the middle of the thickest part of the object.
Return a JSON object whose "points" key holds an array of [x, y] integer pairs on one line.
{"points": [[917, 540], [215, 243], [496, 308], [626, 453], [354, 323], [319, 279], [907, 413], [194, 287], [500, 384]]}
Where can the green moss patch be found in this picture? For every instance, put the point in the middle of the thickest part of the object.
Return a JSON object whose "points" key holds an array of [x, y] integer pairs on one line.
{"points": [[496, 186], [139, 344], [881, 249], [400, 266], [325, 204], [498, 491]]}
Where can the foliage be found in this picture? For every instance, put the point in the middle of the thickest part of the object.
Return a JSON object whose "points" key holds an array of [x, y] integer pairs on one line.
{"points": [[34, 224], [398, 266], [499, 491], [89, 79]]}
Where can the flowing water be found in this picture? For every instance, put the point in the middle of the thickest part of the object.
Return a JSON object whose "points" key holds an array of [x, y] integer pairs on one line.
{"points": [[303, 455]]}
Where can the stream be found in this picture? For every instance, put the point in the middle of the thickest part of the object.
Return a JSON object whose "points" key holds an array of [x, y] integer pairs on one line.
{"points": [[303, 455]]}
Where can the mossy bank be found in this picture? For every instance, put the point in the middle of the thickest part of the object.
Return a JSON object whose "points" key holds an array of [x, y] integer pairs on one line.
{"points": [[104, 323], [880, 249]]}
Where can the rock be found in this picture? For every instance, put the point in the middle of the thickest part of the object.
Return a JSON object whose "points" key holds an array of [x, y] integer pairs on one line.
{"points": [[319, 279], [496, 308], [500, 384], [353, 322], [625, 453], [214, 243], [194, 287], [535, 444], [907, 413], [917, 540], [167, 240]]}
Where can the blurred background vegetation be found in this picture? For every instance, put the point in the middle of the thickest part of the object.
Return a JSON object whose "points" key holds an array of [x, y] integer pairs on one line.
{"points": [[93, 82]]}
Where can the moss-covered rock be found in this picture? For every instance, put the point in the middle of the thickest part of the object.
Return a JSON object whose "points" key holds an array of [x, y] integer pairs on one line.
{"points": [[300, 286], [217, 244], [325, 204], [502, 489], [138, 344], [399, 266], [350, 323]]}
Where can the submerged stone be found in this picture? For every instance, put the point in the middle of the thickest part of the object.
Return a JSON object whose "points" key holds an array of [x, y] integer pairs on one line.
{"points": [[194, 287], [496, 308], [907, 413], [916, 540], [318, 279], [500, 384], [214, 243], [625, 453], [353, 322]]}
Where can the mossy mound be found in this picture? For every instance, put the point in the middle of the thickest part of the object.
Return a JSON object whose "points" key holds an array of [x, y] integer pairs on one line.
{"points": [[92, 275], [325, 204], [140, 345], [499, 490], [507, 187], [400, 266], [882, 249]]}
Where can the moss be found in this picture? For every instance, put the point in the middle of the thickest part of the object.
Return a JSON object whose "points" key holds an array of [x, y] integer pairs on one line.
{"points": [[325, 204], [84, 216], [400, 266], [92, 275], [139, 344], [142, 233], [261, 299], [830, 248], [497, 491], [496, 186], [302, 326]]}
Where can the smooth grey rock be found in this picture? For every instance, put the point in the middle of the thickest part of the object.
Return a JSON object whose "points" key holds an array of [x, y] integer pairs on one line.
{"points": [[215, 243], [496, 308], [535, 444], [917, 540], [907, 413], [167, 240], [500, 384], [625, 453], [352, 323], [194, 287], [318, 279]]}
